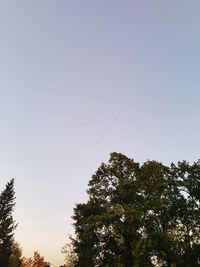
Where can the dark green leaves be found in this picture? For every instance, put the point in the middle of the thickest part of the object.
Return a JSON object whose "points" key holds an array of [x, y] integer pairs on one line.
{"points": [[137, 215]]}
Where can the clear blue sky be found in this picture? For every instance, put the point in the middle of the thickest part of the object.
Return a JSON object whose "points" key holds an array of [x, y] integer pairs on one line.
{"points": [[67, 71]]}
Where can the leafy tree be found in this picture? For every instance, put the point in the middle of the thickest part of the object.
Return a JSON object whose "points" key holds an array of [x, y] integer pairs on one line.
{"points": [[108, 225], [159, 206], [70, 256], [36, 261], [187, 233], [7, 223], [16, 257], [139, 215], [26, 262]]}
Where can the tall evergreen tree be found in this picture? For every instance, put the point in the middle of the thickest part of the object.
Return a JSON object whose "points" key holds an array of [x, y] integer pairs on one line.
{"points": [[7, 223]]}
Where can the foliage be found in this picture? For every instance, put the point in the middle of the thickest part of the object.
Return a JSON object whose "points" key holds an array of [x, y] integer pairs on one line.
{"points": [[137, 215], [36, 261], [70, 256], [26, 262], [16, 258], [7, 224]]}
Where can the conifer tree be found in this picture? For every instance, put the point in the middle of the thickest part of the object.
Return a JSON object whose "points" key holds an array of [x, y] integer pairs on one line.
{"points": [[7, 223]]}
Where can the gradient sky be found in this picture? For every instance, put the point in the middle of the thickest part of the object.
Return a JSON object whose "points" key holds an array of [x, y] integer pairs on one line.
{"points": [[81, 79]]}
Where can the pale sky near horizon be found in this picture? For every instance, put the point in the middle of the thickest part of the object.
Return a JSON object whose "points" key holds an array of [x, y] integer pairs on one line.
{"points": [[81, 79]]}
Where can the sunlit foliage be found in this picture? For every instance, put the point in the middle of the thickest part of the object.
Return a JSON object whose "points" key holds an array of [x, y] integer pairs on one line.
{"points": [[139, 215]]}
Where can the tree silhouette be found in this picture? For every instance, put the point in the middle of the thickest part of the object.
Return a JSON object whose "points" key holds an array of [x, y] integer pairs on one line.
{"points": [[7, 224]]}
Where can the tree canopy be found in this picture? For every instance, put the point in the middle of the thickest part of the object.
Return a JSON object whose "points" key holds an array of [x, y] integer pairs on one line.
{"points": [[139, 215]]}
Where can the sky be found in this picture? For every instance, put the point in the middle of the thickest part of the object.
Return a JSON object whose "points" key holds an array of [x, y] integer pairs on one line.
{"points": [[82, 79]]}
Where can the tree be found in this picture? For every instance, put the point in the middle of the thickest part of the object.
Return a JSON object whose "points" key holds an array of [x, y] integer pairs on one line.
{"points": [[137, 215], [16, 257], [108, 226], [188, 226], [70, 256], [7, 223], [26, 262], [36, 261]]}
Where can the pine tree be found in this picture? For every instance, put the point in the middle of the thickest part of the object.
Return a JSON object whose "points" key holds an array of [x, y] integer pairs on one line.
{"points": [[7, 223]]}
